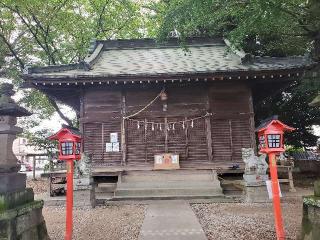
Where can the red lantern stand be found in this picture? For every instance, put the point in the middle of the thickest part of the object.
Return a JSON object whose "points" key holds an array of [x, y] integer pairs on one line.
{"points": [[69, 150], [270, 136]]}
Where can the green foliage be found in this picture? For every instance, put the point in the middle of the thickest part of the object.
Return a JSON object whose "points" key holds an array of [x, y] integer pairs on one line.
{"points": [[41, 141], [260, 27], [49, 32], [292, 108], [272, 27], [52, 32], [290, 150]]}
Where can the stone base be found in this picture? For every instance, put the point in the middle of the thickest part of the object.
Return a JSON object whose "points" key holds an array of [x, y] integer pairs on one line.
{"points": [[84, 194], [256, 194], [84, 198], [11, 200], [24, 222], [255, 179], [11, 182], [310, 229]]}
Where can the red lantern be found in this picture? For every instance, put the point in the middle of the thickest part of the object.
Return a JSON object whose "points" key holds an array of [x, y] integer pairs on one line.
{"points": [[270, 134], [69, 150], [69, 143]]}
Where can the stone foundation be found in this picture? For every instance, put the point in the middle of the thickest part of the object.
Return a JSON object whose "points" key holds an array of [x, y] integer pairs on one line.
{"points": [[21, 217]]}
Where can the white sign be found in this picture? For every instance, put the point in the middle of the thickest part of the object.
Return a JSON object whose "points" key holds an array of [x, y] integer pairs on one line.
{"points": [[108, 147], [174, 159], [158, 159], [113, 137], [269, 188], [115, 147]]}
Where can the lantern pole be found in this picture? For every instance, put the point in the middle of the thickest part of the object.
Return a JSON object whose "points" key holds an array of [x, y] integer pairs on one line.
{"points": [[276, 197], [69, 209]]}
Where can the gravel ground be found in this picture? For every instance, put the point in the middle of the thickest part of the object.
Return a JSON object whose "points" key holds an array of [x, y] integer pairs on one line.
{"points": [[39, 186], [243, 221], [105, 222]]}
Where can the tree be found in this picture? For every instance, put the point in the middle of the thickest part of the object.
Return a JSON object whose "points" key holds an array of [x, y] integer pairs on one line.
{"points": [[260, 27], [49, 32], [274, 27]]}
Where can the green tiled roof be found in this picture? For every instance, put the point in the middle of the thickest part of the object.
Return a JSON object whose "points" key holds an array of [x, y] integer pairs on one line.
{"points": [[145, 57]]}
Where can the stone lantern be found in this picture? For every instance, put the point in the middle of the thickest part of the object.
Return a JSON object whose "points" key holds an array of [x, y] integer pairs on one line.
{"points": [[28, 222]]}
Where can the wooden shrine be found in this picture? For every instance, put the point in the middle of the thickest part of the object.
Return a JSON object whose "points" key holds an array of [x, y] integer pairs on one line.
{"points": [[136, 99]]}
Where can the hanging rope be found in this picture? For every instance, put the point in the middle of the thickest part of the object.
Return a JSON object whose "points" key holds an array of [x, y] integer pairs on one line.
{"points": [[173, 124], [144, 108]]}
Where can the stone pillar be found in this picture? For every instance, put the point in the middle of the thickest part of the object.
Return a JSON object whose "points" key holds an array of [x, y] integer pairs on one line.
{"points": [[310, 227], [84, 188], [255, 177], [20, 216]]}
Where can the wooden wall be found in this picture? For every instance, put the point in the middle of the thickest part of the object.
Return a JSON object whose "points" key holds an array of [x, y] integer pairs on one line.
{"points": [[215, 139]]}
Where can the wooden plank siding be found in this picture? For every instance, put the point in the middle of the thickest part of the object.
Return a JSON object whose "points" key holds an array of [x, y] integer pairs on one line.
{"points": [[215, 139]]}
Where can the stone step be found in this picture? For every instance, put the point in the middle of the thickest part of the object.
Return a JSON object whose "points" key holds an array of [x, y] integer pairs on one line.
{"points": [[169, 191], [170, 184], [168, 175], [232, 187], [218, 198], [104, 196], [105, 187]]}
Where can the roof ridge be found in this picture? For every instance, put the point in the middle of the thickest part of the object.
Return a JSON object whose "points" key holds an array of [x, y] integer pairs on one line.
{"points": [[154, 43]]}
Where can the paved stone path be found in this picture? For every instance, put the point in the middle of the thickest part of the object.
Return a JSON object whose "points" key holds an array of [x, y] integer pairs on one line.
{"points": [[171, 220]]}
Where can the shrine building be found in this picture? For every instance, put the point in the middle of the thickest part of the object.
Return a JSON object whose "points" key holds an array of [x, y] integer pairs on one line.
{"points": [[138, 99]]}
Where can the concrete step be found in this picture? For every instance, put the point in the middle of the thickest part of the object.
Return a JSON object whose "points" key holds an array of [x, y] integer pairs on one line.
{"points": [[173, 191], [168, 175]]}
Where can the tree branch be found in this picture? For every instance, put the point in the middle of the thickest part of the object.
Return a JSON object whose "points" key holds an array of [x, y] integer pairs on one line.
{"points": [[99, 21], [13, 52], [56, 107]]}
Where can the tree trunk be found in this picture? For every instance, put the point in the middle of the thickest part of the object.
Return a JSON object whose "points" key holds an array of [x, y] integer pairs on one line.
{"points": [[316, 50]]}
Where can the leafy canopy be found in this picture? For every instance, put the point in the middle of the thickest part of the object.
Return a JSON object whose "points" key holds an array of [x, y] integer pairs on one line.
{"points": [[260, 27], [50, 32]]}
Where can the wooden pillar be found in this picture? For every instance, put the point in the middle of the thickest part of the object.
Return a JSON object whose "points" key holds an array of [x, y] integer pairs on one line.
{"points": [[145, 140], [102, 142], [123, 129], [209, 138], [186, 129], [81, 124], [166, 134], [252, 125], [231, 139]]}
